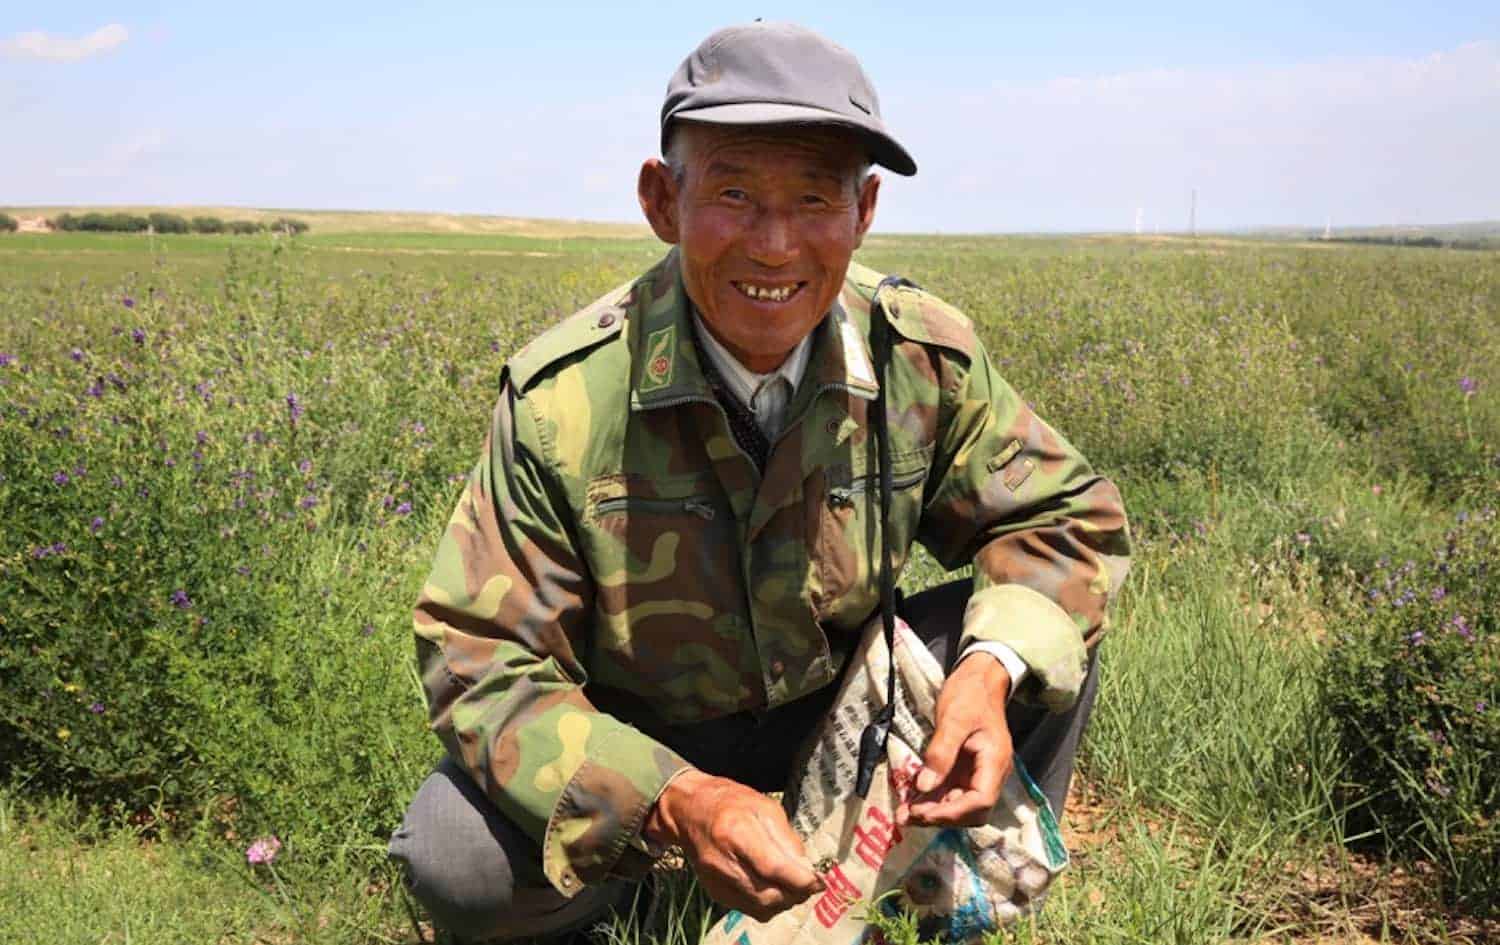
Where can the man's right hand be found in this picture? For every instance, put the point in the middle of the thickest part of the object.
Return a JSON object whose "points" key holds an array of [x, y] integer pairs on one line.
{"points": [[742, 849]]}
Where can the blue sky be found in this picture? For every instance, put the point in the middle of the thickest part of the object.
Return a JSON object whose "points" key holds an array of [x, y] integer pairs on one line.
{"points": [[1026, 117]]}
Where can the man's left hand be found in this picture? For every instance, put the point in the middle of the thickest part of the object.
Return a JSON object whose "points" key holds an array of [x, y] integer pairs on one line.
{"points": [[969, 756]]}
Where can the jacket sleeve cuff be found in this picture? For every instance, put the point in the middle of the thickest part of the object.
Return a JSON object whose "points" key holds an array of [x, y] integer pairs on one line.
{"points": [[1039, 632], [601, 809]]}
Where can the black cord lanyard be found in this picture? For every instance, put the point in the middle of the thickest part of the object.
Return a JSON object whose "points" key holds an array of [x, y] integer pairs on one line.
{"points": [[872, 740]]}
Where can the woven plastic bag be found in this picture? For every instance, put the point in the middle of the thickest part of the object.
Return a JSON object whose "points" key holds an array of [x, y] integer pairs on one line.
{"points": [[960, 882]]}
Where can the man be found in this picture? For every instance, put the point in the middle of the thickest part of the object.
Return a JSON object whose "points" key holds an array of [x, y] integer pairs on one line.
{"points": [[651, 584]]}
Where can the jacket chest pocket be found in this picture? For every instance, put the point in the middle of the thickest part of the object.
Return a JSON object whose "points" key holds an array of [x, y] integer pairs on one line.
{"points": [[664, 557], [847, 527]]}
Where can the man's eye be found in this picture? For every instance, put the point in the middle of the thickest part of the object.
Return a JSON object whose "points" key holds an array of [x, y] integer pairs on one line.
{"points": [[813, 200], [734, 193]]}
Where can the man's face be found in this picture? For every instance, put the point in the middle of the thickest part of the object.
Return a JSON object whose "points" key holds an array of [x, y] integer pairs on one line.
{"points": [[766, 221]]}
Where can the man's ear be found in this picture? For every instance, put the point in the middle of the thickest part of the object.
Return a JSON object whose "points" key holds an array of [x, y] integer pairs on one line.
{"points": [[869, 193], [656, 188]]}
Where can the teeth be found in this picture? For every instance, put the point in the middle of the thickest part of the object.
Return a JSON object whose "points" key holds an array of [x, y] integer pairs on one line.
{"points": [[765, 292]]}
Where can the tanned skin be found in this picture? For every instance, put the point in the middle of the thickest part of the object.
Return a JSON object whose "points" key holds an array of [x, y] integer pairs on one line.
{"points": [[766, 220]]}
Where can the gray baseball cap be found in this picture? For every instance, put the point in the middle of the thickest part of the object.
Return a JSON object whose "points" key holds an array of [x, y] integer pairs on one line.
{"points": [[779, 73]]}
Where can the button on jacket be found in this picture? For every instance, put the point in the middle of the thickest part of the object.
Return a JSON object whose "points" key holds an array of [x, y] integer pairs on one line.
{"points": [[615, 543]]}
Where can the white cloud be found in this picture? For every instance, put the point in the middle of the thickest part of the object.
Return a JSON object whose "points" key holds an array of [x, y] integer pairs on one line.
{"points": [[39, 45]]}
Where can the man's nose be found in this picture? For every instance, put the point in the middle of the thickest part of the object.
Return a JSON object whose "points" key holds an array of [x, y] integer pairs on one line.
{"points": [[773, 241]]}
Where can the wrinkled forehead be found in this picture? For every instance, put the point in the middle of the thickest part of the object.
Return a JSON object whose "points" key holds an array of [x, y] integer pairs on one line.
{"points": [[818, 148]]}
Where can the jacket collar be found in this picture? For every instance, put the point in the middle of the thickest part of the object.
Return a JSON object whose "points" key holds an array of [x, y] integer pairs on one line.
{"points": [[665, 370]]}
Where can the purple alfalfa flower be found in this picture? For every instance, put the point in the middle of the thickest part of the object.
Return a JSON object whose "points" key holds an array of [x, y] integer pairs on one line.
{"points": [[138, 335], [305, 467], [1439, 788], [243, 570], [76, 354], [1416, 638], [6, 360], [418, 427], [95, 390], [1481, 705], [128, 302], [263, 851], [495, 347], [61, 478], [1438, 593], [201, 437], [1467, 385], [116, 482], [308, 501], [80, 471], [294, 407], [41, 551], [1461, 626], [367, 630], [97, 707], [181, 600], [404, 508], [96, 525]]}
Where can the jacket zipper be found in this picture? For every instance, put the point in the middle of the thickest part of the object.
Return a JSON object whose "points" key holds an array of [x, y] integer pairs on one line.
{"points": [[843, 496], [695, 505]]}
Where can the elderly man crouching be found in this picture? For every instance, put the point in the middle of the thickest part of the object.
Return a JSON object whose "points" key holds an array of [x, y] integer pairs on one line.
{"points": [[659, 567]]}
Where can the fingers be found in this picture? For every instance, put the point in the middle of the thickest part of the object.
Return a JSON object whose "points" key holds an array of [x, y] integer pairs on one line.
{"points": [[942, 751], [966, 797], [782, 862], [752, 860]]}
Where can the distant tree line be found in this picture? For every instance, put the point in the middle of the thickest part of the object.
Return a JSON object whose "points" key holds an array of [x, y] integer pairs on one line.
{"points": [[1428, 242], [169, 223], [8, 223]]}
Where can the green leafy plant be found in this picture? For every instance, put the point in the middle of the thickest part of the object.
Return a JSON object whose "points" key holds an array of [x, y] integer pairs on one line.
{"points": [[288, 226], [1414, 682], [168, 223]]}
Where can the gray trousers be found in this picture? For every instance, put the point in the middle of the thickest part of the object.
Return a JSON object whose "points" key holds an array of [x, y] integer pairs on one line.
{"points": [[480, 877]]}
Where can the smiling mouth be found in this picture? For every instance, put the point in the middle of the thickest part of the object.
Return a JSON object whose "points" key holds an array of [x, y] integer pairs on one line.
{"points": [[762, 292]]}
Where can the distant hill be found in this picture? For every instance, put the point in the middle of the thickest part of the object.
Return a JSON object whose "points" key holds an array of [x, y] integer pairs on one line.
{"points": [[367, 221]]}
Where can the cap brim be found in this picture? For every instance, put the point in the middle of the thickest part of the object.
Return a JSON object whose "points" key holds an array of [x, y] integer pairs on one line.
{"points": [[884, 150]]}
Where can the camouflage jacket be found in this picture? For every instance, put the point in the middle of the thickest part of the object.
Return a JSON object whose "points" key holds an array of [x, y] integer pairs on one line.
{"points": [[614, 538]]}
